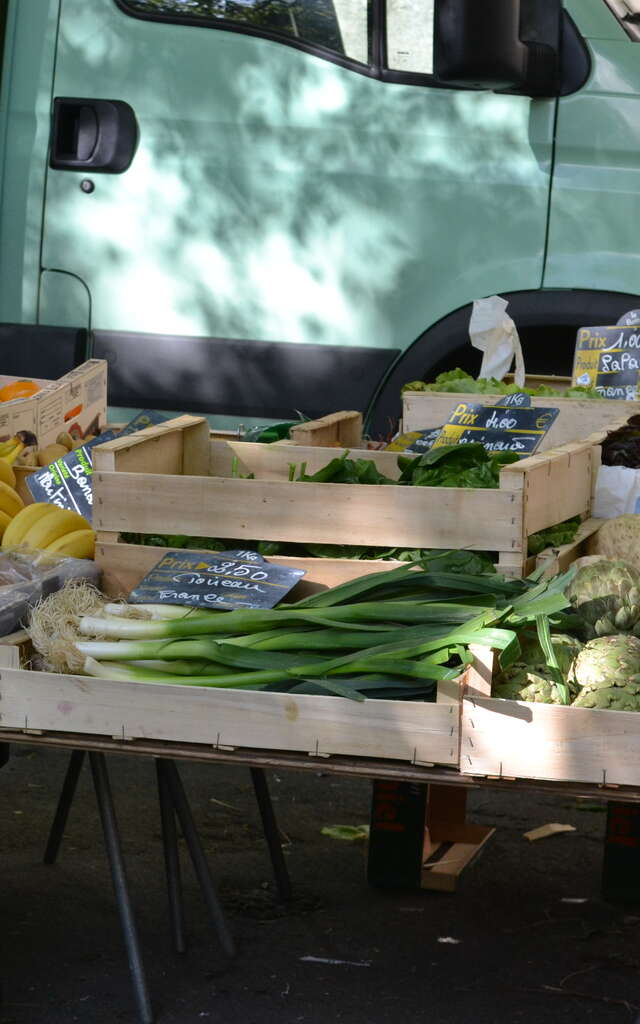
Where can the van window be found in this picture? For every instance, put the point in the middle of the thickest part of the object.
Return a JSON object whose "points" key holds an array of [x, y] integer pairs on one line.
{"points": [[628, 14], [341, 26]]}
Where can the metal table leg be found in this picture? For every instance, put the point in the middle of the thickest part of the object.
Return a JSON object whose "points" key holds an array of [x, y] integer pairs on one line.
{"points": [[116, 863], [64, 805], [271, 834], [198, 858], [171, 859]]}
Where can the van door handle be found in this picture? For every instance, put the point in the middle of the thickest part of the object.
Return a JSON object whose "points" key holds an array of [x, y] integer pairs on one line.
{"points": [[90, 134]]}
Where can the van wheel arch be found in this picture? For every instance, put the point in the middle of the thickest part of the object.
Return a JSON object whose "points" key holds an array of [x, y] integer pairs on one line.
{"points": [[445, 345]]}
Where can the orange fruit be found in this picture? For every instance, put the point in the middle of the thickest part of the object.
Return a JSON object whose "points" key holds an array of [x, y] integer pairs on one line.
{"points": [[18, 389]]}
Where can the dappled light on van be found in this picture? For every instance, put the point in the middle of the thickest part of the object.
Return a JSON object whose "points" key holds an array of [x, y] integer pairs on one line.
{"points": [[280, 197]]}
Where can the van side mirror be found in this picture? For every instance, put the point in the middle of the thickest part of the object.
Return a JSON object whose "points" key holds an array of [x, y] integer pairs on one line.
{"points": [[499, 44]]}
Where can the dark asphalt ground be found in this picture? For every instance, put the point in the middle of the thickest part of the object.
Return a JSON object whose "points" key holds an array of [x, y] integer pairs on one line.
{"points": [[523, 952]]}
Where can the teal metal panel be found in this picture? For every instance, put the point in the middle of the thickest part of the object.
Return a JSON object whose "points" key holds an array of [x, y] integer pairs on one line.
{"points": [[595, 204], [275, 195], [64, 300], [25, 99], [595, 19]]}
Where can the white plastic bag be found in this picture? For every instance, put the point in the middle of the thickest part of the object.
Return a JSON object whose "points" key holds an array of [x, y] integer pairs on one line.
{"points": [[617, 492], [493, 332]]}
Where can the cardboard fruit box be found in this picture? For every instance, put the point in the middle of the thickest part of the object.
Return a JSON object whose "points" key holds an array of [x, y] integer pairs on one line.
{"points": [[75, 404]]}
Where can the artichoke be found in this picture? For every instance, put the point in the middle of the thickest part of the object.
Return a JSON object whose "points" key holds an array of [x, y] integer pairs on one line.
{"points": [[607, 670], [532, 680], [606, 597], [525, 682]]}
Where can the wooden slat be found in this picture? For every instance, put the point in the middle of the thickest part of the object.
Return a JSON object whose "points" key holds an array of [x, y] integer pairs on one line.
{"points": [[124, 565], [559, 559], [545, 741], [338, 428], [400, 730], [158, 449], [345, 766], [557, 485], [272, 461], [477, 677], [444, 517], [195, 451], [9, 655]]}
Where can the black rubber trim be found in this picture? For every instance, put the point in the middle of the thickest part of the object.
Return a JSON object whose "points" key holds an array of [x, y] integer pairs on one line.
{"points": [[29, 350], [547, 322], [240, 378], [375, 69], [576, 59]]}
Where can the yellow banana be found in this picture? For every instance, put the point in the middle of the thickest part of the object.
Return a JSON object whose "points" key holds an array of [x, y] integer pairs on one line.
{"points": [[10, 500], [24, 520], [6, 446], [6, 473], [5, 521], [77, 544], [47, 530], [15, 451]]}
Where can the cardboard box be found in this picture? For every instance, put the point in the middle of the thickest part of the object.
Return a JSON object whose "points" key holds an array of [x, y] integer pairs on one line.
{"points": [[76, 403]]}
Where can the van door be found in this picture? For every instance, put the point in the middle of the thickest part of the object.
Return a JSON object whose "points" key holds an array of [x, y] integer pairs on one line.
{"points": [[596, 192], [304, 200]]}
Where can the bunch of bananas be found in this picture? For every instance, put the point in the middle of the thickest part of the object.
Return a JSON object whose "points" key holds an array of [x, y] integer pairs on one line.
{"points": [[46, 527], [14, 446], [10, 501]]}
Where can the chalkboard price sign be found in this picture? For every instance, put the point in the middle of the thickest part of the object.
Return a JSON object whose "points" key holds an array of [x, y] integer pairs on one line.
{"points": [[608, 359], [424, 441], [499, 428], [232, 579]]}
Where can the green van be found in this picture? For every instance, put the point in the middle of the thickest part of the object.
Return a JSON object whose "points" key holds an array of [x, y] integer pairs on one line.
{"points": [[258, 207]]}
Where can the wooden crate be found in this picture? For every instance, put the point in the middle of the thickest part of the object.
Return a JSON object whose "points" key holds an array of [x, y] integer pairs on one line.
{"points": [[414, 732], [579, 417], [173, 479], [523, 740]]}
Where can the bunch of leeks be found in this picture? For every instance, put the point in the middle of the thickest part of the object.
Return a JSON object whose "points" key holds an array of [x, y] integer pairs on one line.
{"points": [[386, 635]]}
